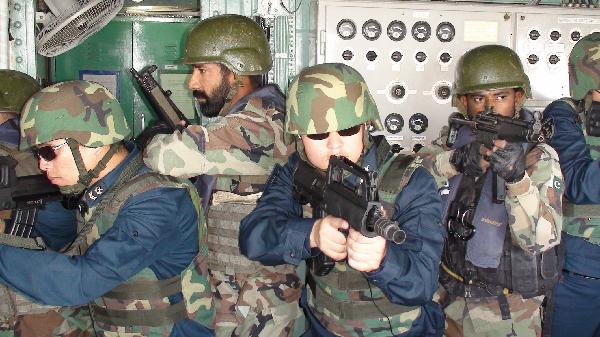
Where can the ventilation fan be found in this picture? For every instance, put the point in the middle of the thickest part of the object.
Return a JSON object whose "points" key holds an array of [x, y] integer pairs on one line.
{"points": [[73, 21]]}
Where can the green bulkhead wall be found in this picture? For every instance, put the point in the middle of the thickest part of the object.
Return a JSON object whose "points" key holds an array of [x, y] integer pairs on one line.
{"points": [[127, 42]]}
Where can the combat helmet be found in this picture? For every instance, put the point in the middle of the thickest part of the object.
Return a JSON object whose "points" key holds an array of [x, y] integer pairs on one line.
{"points": [[584, 66], [233, 40], [489, 67], [84, 113], [329, 97], [15, 89]]}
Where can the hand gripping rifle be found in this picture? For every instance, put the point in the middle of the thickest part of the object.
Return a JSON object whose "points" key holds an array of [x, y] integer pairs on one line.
{"points": [[159, 99], [489, 126], [330, 193], [24, 196]]}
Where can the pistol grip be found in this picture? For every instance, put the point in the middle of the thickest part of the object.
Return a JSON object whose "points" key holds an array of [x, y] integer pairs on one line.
{"points": [[322, 264]]}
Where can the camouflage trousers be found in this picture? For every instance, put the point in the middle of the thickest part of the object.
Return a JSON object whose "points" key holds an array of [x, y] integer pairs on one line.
{"points": [[481, 317], [265, 303], [55, 322]]}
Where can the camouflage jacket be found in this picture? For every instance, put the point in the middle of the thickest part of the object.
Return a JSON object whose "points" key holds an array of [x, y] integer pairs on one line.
{"points": [[534, 204], [248, 141]]}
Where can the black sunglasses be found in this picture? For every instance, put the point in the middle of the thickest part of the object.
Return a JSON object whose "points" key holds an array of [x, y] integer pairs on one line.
{"points": [[344, 133], [48, 152]]}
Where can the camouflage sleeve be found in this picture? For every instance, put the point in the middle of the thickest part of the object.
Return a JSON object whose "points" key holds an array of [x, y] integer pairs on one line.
{"points": [[534, 204], [437, 161], [243, 143]]}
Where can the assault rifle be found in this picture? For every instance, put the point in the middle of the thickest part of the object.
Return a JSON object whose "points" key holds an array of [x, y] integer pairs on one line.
{"points": [[489, 126], [330, 193], [24, 196], [160, 99]]}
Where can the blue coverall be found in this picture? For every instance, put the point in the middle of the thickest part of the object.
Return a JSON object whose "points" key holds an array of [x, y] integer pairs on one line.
{"points": [[275, 233], [156, 229], [577, 294]]}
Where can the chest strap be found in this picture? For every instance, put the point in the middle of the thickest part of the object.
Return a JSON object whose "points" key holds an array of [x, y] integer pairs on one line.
{"points": [[153, 317], [348, 280], [358, 310], [36, 243], [580, 211], [142, 290]]}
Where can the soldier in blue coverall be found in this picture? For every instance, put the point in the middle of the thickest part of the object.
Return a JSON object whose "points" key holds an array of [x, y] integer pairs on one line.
{"points": [[382, 288], [576, 296], [135, 257]]}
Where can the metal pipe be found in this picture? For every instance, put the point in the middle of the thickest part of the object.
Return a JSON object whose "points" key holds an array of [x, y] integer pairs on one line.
{"points": [[4, 34]]}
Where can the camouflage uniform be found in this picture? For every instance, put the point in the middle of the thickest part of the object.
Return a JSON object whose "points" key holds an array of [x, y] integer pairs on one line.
{"points": [[395, 298], [579, 287], [491, 301], [239, 148], [19, 317], [141, 235]]}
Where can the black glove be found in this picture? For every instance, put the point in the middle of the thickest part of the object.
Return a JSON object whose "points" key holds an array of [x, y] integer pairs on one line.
{"points": [[592, 120], [152, 130], [466, 158], [509, 162]]}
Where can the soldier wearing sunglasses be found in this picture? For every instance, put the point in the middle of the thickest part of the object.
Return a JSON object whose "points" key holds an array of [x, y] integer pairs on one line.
{"points": [[135, 256], [53, 227], [376, 287]]}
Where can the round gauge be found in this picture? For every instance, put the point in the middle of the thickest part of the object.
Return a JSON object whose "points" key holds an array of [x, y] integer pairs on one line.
{"points": [[346, 29], [418, 123], [421, 31], [394, 123], [396, 30], [445, 32], [371, 30]]}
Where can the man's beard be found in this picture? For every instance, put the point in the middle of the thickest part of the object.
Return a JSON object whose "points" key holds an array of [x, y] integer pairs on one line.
{"points": [[213, 104]]}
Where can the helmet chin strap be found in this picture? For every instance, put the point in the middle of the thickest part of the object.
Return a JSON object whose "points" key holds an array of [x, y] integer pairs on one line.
{"points": [[85, 177], [235, 87]]}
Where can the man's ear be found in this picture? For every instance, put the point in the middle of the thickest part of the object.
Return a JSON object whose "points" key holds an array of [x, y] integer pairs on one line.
{"points": [[230, 78], [463, 100], [519, 97]]}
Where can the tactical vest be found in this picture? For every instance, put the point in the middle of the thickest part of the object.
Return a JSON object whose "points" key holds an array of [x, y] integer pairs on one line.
{"points": [[343, 300], [230, 204], [584, 220], [518, 271], [141, 303]]}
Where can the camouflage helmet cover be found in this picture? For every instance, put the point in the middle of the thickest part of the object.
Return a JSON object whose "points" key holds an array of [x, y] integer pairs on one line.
{"points": [[490, 67], [81, 110], [329, 97], [15, 89], [233, 40], [584, 66]]}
